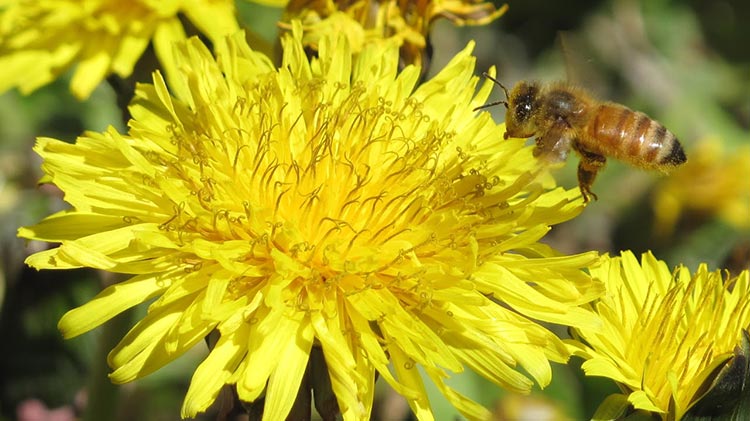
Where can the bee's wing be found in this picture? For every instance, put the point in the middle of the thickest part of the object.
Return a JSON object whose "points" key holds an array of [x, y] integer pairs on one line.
{"points": [[553, 146], [580, 68]]}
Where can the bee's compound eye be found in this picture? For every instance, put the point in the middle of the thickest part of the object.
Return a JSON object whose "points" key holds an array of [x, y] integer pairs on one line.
{"points": [[523, 111], [525, 100]]}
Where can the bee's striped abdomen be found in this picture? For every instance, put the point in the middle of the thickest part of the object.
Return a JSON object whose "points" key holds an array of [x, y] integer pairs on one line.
{"points": [[631, 136]]}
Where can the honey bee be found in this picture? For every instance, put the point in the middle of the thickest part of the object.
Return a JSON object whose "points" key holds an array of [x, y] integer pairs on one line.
{"points": [[562, 117]]}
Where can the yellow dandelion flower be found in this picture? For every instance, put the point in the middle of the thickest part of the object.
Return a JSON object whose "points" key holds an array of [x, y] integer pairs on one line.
{"points": [[325, 204], [665, 334], [714, 182], [40, 39], [405, 22]]}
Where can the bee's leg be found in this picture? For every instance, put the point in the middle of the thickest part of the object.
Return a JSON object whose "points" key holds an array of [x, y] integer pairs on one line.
{"points": [[589, 166]]}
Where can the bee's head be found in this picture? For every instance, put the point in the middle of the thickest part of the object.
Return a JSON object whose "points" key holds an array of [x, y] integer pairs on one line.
{"points": [[522, 103]]}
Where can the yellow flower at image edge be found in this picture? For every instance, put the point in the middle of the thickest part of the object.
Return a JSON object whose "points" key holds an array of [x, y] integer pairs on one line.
{"points": [[41, 39], [407, 23], [714, 183], [324, 204], [665, 334]]}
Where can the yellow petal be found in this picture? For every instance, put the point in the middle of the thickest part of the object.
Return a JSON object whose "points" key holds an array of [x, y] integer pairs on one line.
{"points": [[284, 381], [112, 301], [214, 372]]}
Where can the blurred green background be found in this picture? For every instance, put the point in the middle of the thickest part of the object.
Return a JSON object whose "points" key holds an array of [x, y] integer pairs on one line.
{"points": [[685, 63]]}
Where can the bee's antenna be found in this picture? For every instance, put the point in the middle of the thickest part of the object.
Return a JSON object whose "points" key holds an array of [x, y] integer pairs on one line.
{"points": [[487, 75], [492, 104]]}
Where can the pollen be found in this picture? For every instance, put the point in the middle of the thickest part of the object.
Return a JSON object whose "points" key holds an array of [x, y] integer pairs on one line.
{"points": [[365, 174]]}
